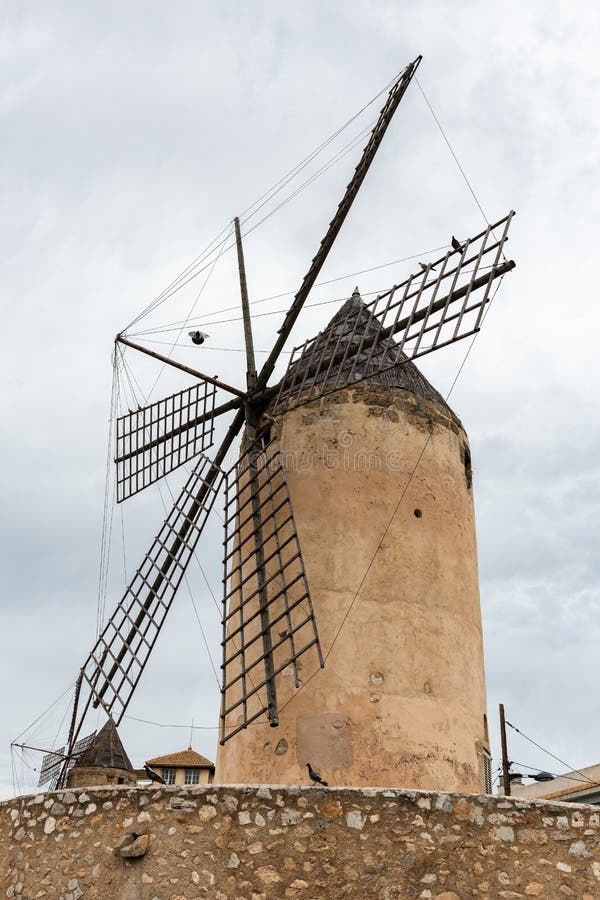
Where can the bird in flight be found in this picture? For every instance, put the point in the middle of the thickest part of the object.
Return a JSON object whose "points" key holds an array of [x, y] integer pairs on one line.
{"points": [[456, 245], [314, 776], [153, 776], [198, 337]]}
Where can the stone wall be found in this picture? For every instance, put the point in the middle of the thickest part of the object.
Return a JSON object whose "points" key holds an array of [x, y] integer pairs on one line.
{"points": [[259, 843]]}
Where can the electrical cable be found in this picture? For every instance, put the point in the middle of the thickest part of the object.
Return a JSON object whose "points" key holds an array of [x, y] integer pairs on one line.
{"points": [[543, 749], [344, 277], [251, 210], [587, 781], [451, 149]]}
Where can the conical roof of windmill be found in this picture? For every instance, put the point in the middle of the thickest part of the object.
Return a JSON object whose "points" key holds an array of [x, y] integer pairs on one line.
{"points": [[106, 750], [351, 324]]}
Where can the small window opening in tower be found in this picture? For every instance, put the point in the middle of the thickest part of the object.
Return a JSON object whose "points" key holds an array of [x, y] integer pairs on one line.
{"points": [[466, 456]]}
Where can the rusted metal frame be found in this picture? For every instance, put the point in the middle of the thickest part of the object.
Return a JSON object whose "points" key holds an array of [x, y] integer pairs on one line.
{"points": [[286, 386], [356, 352], [177, 365], [398, 306], [297, 601], [192, 423], [244, 504], [471, 280], [253, 455], [266, 560], [342, 335], [501, 270], [248, 519], [230, 536], [283, 565], [123, 479], [451, 318], [503, 240], [254, 615], [347, 336], [431, 303], [379, 319], [282, 504], [303, 570], [279, 669], [246, 603], [445, 308], [205, 489], [395, 96], [347, 349], [446, 343], [70, 741], [225, 737], [460, 266], [250, 555], [303, 370]]}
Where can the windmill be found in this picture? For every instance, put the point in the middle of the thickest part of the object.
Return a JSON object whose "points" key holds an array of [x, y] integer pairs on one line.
{"points": [[269, 624]]}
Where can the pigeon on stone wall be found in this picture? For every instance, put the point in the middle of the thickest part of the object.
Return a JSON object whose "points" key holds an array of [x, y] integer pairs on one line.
{"points": [[314, 776], [153, 776]]}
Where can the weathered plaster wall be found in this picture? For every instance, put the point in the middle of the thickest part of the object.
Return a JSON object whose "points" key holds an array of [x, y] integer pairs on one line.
{"points": [[88, 776], [269, 843], [401, 700]]}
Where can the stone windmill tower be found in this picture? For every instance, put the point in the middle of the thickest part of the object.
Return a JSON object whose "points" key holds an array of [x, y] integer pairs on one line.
{"points": [[379, 476]]}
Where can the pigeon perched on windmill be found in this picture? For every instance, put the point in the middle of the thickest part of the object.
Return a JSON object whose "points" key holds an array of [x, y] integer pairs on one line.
{"points": [[198, 337], [456, 245]]}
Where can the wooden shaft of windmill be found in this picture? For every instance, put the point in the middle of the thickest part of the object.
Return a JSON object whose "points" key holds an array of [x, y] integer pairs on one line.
{"points": [[177, 365], [395, 96], [171, 555], [253, 476], [250, 360]]}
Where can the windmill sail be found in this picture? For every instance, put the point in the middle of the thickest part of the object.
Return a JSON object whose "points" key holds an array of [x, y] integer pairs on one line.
{"points": [[268, 616], [56, 762], [441, 304], [116, 662], [156, 439]]}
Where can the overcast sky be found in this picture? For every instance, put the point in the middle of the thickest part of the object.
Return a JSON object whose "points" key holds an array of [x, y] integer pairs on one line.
{"points": [[131, 134]]}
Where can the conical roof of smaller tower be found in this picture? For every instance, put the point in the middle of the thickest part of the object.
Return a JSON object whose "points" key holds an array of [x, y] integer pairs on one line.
{"points": [[348, 326], [106, 750]]}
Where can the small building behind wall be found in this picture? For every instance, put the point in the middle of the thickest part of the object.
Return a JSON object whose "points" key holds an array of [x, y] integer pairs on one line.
{"points": [[183, 767], [578, 786]]}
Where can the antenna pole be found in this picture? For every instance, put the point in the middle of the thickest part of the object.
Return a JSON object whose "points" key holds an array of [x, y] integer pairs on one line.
{"points": [[505, 762], [252, 418], [250, 361]]}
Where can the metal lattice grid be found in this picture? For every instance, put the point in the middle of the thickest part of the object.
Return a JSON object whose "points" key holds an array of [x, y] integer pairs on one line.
{"points": [[116, 662], [439, 305], [54, 762], [155, 440], [268, 616]]}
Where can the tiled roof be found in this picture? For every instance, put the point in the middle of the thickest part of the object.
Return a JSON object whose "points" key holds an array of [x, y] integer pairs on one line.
{"points": [[188, 759], [106, 750]]}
